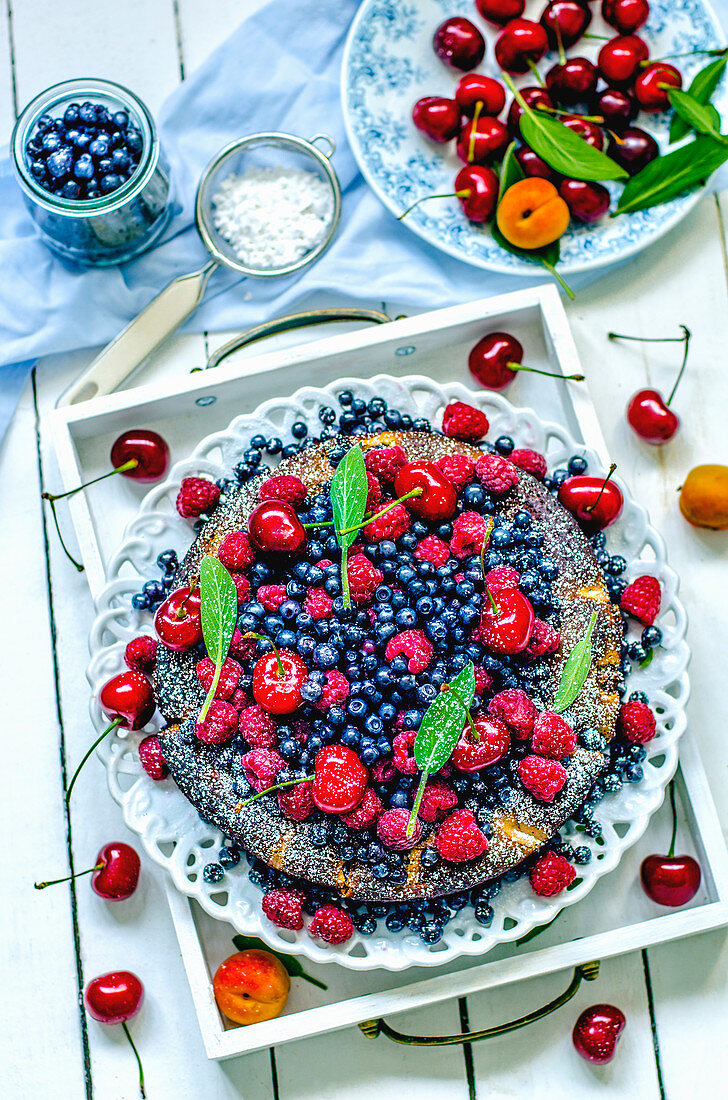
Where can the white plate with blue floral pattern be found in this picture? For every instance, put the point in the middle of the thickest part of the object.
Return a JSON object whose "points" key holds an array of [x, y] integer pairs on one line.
{"points": [[389, 64]]}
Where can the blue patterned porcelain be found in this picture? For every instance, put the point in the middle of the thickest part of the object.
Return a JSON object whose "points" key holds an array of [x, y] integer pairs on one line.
{"points": [[389, 64]]}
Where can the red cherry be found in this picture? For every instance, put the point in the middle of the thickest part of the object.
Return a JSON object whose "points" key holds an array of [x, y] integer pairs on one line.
{"points": [[439, 498], [626, 16], [279, 690], [572, 82], [648, 87], [438, 118], [148, 449], [483, 142], [594, 502], [500, 12], [533, 97], [670, 880], [118, 876], [587, 202], [619, 59], [519, 42], [634, 149], [470, 755], [481, 185], [651, 418], [490, 358], [474, 89], [596, 1032], [565, 19], [177, 621], [340, 779], [459, 43], [114, 998], [274, 527], [507, 630], [615, 107], [532, 164], [589, 131], [129, 699]]}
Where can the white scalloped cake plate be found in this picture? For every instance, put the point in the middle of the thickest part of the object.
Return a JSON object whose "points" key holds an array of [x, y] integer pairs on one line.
{"points": [[389, 64], [169, 827]]}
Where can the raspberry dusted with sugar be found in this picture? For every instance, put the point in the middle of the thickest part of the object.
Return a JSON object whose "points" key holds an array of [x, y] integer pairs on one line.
{"points": [[152, 758], [468, 534], [543, 778], [364, 579], [283, 487], [551, 875], [261, 767], [141, 654], [296, 802], [318, 603], [220, 724], [513, 707], [392, 830], [461, 421], [336, 690], [257, 727], [532, 462], [235, 551], [391, 525], [385, 462], [242, 587], [272, 596], [545, 639], [483, 680], [366, 813], [437, 800], [459, 838], [242, 649], [402, 756], [636, 722], [196, 497], [501, 578], [460, 469], [496, 473], [432, 549], [641, 599], [374, 492], [552, 736], [230, 674], [331, 925], [284, 908], [413, 645]]}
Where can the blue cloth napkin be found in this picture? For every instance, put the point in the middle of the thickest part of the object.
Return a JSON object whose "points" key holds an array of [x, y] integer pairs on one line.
{"points": [[279, 70]]}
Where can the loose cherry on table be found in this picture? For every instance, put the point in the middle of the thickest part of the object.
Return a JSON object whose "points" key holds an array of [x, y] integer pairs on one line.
{"points": [[115, 873], [459, 43], [177, 621], [648, 414], [496, 358], [596, 502], [482, 141], [620, 59], [633, 149], [520, 44], [506, 622], [534, 97], [626, 16], [597, 1031], [587, 202], [438, 498], [115, 998], [670, 880], [475, 89], [652, 86], [275, 528], [616, 108], [565, 21], [438, 118], [500, 12], [278, 677], [572, 81]]}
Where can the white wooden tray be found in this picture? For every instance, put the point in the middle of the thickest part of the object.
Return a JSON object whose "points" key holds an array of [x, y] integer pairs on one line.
{"points": [[616, 917]]}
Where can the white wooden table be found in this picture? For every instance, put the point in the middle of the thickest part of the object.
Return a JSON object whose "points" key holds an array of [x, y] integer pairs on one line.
{"points": [[675, 996]]}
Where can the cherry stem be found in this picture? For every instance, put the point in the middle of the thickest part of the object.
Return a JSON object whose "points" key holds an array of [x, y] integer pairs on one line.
{"points": [[78, 874], [130, 465], [425, 198], [536, 74], [182, 609], [142, 1093], [547, 373], [560, 45], [468, 715], [268, 790], [375, 515], [474, 129], [680, 373], [598, 37], [684, 339], [559, 278], [489, 525], [99, 739], [671, 853], [65, 549], [690, 53], [591, 507], [264, 638]]}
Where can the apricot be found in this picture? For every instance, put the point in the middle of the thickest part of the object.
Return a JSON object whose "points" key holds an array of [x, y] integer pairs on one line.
{"points": [[704, 497], [532, 214], [251, 986]]}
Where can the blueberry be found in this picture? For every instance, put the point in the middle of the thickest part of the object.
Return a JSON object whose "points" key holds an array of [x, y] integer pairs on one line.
{"points": [[395, 922], [577, 464], [140, 602], [99, 147], [484, 914], [504, 444], [229, 857], [636, 651], [120, 119], [110, 182], [299, 430], [51, 141], [46, 122], [133, 139], [651, 637], [37, 169], [213, 872], [60, 162], [431, 932], [273, 446]]}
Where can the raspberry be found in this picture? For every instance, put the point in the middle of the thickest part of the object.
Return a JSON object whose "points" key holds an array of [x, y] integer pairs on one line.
{"points": [[483, 680], [460, 469], [331, 925], [261, 767], [364, 579], [461, 421], [336, 691], [402, 759], [241, 648], [141, 654], [552, 736], [235, 551], [642, 599], [468, 534], [530, 461], [514, 708], [636, 722], [152, 758], [497, 474], [389, 526], [413, 645], [272, 596], [458, 838], [318, 603], [242, 587], [196, 495], [437, 799], [366, 813], [257, 727], [295, 802], [383, 771], [392, 830], [221, 722], [374, 492], [229, 676], [240, 699], [543, 778], [551, 875], [501, 578], [432, 549], [283, 487], [284, 908], [545, 639], [384, 462]]}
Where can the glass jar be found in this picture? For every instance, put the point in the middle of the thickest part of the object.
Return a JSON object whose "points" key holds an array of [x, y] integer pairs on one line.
{"points": [[109, 228]]}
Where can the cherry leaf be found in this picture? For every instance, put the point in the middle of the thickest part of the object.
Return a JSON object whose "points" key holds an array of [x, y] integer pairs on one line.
{"points": [[671, 175], [701, 89], [565, 151]]}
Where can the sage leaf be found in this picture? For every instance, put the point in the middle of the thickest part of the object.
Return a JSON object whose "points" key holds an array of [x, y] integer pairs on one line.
{"points": [[667, 177], [218, 614], [698, 116], [349, 494], [464, 686], [575, 670], [701, 89], [291, 963], [565, 151]]}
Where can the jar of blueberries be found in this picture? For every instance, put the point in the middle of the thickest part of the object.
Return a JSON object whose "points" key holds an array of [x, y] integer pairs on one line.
{"points": [[88, 159]]}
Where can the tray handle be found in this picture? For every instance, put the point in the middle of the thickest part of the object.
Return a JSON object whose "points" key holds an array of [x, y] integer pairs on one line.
{"points": [[293, 321], [587, 972]]}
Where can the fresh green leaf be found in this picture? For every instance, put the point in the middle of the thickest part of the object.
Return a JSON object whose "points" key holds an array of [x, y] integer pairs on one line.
{"points": [[511, 171], [575, 670], [565, 151], [701, 89], [291, 963], [349, 494], [439, 732], [647, 661], [667, 177], [464, 685], [219, 614], [698, 116]]}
